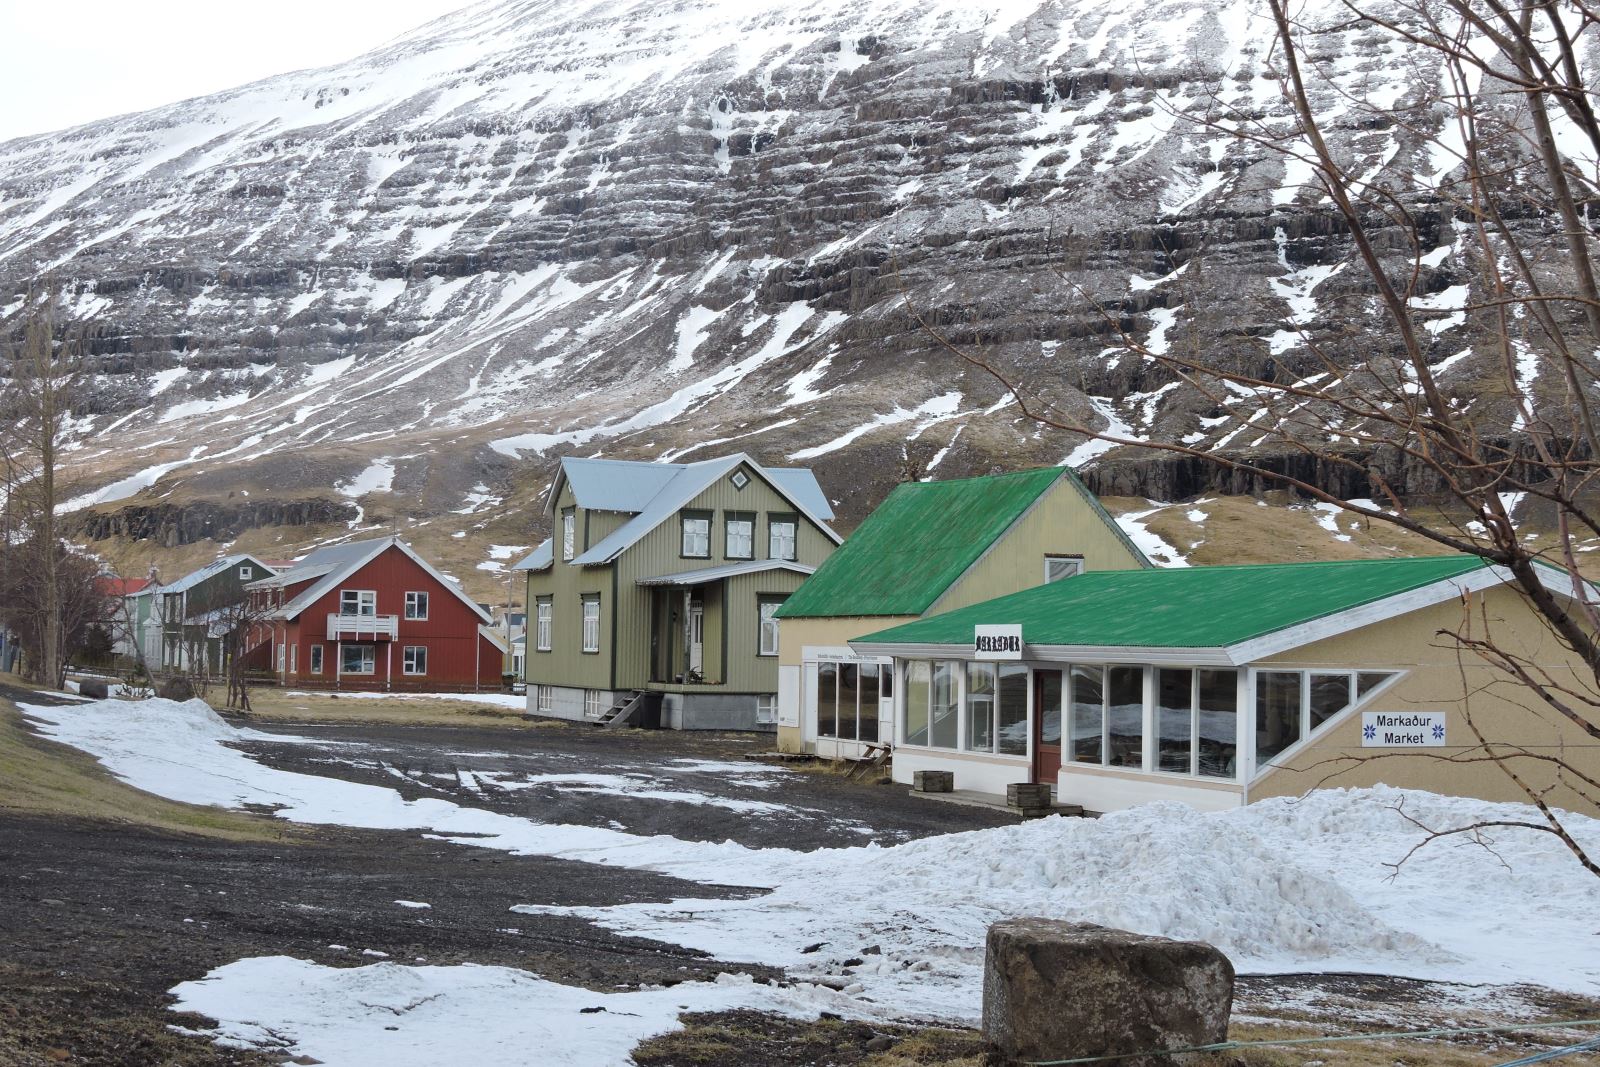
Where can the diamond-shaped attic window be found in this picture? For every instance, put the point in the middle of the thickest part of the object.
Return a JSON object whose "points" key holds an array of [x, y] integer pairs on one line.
{"points": [[740, 479]]}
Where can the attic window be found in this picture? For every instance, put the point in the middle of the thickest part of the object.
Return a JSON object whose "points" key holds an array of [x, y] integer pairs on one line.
{"points": [[1059, 567], [740, 479]]}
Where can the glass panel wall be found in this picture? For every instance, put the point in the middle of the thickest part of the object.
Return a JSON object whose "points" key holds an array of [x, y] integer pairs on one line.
{"points": [[1125, 717], [918, 694], [1174, 720], [980, 707], [1277, 713], [1050, 706], [1012, 694], [1217, 754], [1330, 694], [1088, 714], [846, 706], [827, 699], [868, 713], [943, 724]]}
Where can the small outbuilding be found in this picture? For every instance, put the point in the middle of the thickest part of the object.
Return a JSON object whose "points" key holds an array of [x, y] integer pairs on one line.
{"points": [[1217, 686]]}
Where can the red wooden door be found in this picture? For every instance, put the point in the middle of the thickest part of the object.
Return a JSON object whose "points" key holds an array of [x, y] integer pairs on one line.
{"points": [[1048, 694]]}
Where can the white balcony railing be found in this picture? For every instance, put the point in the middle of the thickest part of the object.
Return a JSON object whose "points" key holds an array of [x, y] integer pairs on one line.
{"points": [[355, 627]]}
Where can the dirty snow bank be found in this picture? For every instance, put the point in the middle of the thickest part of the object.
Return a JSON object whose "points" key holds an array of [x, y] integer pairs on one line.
{"points": [[1281, 885], [498, 699]]}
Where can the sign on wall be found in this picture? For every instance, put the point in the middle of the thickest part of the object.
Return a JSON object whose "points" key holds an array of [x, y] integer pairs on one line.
{"points": [[1402, 729], [1002, 641]]}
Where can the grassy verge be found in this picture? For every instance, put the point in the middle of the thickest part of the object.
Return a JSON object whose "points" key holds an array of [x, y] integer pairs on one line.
{"points": [[278, 705], [41, 777]]}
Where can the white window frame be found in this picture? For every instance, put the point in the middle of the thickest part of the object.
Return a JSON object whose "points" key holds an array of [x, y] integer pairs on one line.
{"points": [[246, 572], [315, 659], [544, 610], [294, 659], [415, 600], [766, 709], [365, 600], [591, 624], [369, 660], [793, 526], [1307, 737], [409, 655], [1052, 562], [749, 524], [700, 525], [281, 654], [768, 637], [544, 699], [594, 703], [569, 533]]}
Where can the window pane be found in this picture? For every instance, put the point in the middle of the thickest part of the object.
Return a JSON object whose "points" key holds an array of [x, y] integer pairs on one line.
{"points": [[827, 700], [740, 536], [1013, 702], [1174, 737], [917, 696], [1330, 694], [1219, 724], [1125, 716], [1277, 713], [980, 707], [1367, 681], [1088, 713], [1048, 686], [848, 689], [869, 701], [943, 728]]}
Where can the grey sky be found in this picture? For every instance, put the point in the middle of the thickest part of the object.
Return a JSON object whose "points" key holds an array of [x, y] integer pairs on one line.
{"points": [[73, 61]]}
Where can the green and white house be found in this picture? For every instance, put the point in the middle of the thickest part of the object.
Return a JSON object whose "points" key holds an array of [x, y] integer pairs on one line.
{"points": [[1218, 686], [181, 623], [654, 601], [929, 547]]}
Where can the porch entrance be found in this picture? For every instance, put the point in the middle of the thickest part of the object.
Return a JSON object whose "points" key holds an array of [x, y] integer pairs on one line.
{"points": [[1048, 696], [697, 639]]}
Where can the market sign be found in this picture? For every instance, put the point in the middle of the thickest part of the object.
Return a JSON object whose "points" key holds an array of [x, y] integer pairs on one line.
{"points": [[1402, 729], [997, 642]]}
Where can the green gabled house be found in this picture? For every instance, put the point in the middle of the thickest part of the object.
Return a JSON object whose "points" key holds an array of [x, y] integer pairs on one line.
{"points": [[654, 601], [929, 547]]}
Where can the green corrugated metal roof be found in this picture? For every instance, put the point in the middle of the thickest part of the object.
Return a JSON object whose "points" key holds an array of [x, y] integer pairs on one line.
{"points": [[1192, 607], [919, 540]]}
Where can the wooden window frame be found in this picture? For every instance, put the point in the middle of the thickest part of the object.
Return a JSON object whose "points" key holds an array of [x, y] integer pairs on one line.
{"points": [[780, 518], [408, 658], [569, 534], [687, 516], [583, 623], [414, 597], [728, 519], [544, 624]]}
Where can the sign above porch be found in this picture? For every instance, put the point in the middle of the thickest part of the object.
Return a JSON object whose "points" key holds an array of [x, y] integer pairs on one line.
{"points": [[997, 641]]}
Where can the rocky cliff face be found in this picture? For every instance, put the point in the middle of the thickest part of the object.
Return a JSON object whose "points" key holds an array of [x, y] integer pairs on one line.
{"points": [[669, 229]]}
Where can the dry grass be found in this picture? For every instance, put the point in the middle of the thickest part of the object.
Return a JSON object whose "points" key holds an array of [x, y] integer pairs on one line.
{"points": [[277, 705], [41, 777]]}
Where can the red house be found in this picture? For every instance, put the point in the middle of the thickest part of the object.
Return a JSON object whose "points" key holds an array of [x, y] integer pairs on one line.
{"points": [[372, 615]]}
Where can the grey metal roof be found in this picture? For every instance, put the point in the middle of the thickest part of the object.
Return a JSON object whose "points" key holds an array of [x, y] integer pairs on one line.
{"points": [[615, 484], [300, 573], [687, 482], [727, 570], [215, 567], [801, 484], [539, 558]]}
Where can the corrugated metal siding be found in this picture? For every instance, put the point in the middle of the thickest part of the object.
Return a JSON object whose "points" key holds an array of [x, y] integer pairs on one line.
{"points": [[747, 671], [566, 663], [1062, 522]]}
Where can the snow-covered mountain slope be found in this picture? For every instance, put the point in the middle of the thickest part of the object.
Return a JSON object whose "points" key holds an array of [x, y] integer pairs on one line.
{"points": [[663, 228]]}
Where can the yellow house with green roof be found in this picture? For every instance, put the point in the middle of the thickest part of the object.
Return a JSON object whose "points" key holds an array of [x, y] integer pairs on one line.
{"points": [[929, 547], [1218, 686]]}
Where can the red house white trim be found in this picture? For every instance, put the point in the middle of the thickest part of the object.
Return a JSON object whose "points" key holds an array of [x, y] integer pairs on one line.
{"points": [[372, 615]]}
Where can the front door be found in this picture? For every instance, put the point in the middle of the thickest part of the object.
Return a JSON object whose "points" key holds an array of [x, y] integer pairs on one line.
{"points": [[697, 638], [1048, 695]]}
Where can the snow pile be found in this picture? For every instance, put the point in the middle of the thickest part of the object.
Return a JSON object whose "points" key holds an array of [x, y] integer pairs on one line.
{"points": [[421, 1016], [498, 699]]}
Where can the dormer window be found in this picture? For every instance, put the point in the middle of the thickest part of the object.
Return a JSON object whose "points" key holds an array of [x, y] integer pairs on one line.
{"points": [[569, 533], [1059, 567]]}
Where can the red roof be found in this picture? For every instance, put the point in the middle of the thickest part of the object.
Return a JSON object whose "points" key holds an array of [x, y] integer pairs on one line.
{"points": [[122, 586]]}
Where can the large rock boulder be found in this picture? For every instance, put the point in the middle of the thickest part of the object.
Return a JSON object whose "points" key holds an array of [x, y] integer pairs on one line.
{"points": [[179, 689], [93, 689], [1056, 990]]}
